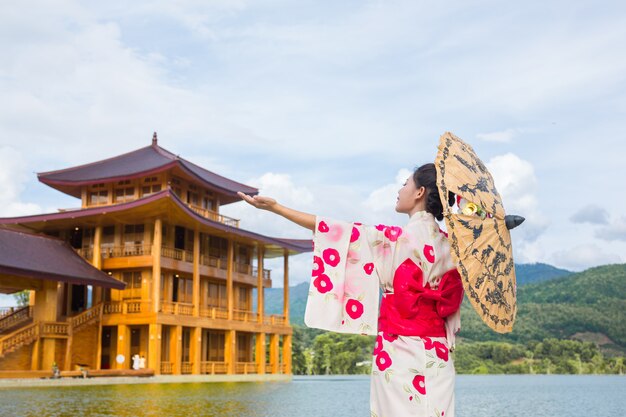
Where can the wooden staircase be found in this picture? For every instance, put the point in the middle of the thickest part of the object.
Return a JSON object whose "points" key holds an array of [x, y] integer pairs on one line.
{"points": [[15, 317], [31, 332]]}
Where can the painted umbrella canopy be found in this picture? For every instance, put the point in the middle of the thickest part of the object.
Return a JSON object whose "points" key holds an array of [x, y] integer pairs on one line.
{"points": [[481, 244]]}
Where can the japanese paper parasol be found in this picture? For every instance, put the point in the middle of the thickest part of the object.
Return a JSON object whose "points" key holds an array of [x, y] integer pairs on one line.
{"points": [[479, 239]]}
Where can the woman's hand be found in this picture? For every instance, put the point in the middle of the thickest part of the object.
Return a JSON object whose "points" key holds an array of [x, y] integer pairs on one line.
{"points": [[260, 202], [305, 220]]}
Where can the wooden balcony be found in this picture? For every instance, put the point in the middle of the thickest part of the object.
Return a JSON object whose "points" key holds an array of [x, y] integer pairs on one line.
{"points": [[183, 309], [213, 368], [127, 307], [245, 315], [186, 368], [126, 250], [246, 368], [167, 368], [216, 217], [214, 312], [274, 319]]}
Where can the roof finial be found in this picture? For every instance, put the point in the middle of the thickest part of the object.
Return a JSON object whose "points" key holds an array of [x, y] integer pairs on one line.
{"points": [[154, 139]]}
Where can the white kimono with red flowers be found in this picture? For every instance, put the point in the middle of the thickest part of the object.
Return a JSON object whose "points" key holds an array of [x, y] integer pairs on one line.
{"points": [[411, 375]]}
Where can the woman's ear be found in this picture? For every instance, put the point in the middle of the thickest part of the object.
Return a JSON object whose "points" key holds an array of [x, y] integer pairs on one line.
{"points": [[420, 192]]}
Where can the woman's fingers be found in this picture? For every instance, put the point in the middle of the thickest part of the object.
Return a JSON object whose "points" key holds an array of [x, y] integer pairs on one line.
{"points": [[257, 201]]}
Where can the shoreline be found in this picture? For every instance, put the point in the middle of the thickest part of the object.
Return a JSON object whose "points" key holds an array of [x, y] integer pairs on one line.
{"points": [[11, 383]]}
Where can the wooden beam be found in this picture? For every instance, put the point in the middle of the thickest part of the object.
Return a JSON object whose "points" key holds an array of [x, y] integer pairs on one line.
{"points": [[287, 353], [154, 347], [260, 353], [196, 273], [274, 355], [286, 287], [156, 264], [229, 279], [259, 286]]}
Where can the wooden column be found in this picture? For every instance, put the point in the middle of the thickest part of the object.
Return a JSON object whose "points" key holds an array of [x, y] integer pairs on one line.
{"points": [[156, 264], [259, 284], [123, 347], [96, 295], [287, 353], [274, 356], [196, 273], [34, 362], [195, 349], [286, 288], [260, 353], [154, 348], [178, 349], [229, 279], [230, 351]]}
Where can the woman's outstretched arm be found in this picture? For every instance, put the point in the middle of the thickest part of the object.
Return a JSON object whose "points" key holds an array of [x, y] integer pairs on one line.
{"points": [[305, 220]]}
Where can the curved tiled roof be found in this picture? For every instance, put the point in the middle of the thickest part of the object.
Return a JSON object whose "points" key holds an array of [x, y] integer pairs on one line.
{"points": [[293, 245], [142, 162], [42, 257]]}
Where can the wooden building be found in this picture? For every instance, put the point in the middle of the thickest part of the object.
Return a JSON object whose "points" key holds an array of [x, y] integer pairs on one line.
{"points": [[151, 220]]}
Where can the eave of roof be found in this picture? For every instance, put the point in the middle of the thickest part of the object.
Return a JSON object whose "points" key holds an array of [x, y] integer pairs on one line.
{"points": [[140, 163], [43, 257], [272, 243]]}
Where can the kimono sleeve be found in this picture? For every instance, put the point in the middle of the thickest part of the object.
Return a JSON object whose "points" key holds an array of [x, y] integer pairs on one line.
{"points": [[344, 288]]}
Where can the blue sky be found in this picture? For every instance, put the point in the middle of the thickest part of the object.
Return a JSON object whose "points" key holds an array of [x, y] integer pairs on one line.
{"points": [[325, 105]]}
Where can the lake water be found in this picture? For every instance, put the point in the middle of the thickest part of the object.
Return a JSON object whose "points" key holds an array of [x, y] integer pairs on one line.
{"points": [[337, 396]]}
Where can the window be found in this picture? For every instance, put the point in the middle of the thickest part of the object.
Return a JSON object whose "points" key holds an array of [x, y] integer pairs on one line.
{"points": [[133, 281], [217, 295], [124, 193], [147, 190], [183, 290], [244, 347], [133, 233], [214, 347], [98, 197], [243, 298]]}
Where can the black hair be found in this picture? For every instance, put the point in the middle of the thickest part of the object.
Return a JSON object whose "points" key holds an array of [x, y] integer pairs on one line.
{"points": [[426, 176]]}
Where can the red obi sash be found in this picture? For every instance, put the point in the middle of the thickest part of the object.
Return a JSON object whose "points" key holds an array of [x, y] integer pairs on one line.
{"points": [[417, 310]]}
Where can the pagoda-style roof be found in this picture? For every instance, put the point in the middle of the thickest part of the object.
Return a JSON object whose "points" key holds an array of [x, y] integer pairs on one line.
{"points": [[165, 205], [42, 257], [143, 162]]}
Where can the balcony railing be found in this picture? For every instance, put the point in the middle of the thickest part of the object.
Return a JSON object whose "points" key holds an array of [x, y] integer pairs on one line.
{"points": [[186, 367], [167, 368], [178, 254], [274, 319], [126, 250], [54, 329], [214, 312], [266, 272], [246, 368], [213, 261], [245, 315], [183, 309], [213, 368], [212, 215], [19, 338], [127, 307], [86, 253]]}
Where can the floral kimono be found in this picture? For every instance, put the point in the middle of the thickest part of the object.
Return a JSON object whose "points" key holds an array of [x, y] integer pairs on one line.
{"points": [[418, 316]]}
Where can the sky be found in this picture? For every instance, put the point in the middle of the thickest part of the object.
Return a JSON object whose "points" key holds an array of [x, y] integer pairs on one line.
{"points": [[328, 106]]}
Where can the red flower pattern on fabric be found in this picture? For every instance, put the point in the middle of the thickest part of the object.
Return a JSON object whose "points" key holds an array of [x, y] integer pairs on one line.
{"points": [[323, 283], [393, 233], [419, 384], [354, 308], [323, 227], [443, 233], [368, 268], [383, 361], [355, 235], [331, 256], [428, 344], [390, 337], [441, 350], [380, 227], [318, 266], [378, 346], [429, 253]]}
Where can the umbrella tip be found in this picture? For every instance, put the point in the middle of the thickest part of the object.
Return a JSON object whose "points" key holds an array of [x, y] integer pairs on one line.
{"points": [[512, 221]]}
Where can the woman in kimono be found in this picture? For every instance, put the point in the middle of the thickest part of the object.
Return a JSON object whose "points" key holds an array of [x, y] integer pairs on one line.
{"points": [[415, 324]]}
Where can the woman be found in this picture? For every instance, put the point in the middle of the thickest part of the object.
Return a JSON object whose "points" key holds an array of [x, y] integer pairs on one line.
{"points": [[412, 372]]}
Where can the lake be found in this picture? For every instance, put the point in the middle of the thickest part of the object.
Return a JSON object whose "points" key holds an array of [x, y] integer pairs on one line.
{"points": [[337, 396]]}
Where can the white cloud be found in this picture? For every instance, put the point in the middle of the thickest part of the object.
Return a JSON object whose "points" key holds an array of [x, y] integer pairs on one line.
{"points": [[12, 177], [591, 214], [615, 230], [382, 201], [503, 136], [517, 184], [584, 256]]}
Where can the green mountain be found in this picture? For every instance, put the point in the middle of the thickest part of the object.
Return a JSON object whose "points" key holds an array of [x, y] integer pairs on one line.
{"points": [[538, 272]]}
